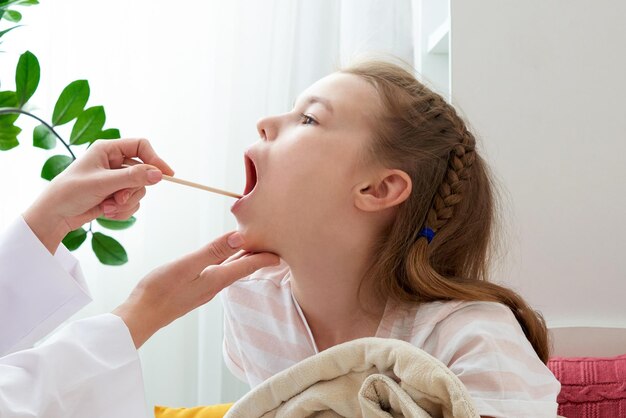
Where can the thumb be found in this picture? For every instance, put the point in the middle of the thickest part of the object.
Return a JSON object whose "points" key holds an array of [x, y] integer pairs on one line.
{"points": [[139, 175]]}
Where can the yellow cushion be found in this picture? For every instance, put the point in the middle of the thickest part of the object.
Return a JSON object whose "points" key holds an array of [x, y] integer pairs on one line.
{"points": [[212, 411]]}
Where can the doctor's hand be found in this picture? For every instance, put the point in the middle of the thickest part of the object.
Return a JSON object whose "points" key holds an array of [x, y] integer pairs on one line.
{"points": [[94, 185], [172, 290]]}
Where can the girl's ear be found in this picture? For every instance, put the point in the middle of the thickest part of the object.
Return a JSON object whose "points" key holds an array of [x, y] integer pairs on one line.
{"points": [[390, 189]]}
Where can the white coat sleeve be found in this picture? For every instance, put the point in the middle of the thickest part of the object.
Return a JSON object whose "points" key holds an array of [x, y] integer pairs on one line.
{"points": [[38, 291], [90, 368]]}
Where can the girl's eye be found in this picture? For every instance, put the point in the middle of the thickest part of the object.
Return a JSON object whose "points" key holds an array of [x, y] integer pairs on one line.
{"points": [[307, 120]]}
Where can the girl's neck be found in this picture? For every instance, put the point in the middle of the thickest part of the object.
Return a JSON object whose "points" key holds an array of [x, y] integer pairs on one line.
{"points": [[326, 284]]}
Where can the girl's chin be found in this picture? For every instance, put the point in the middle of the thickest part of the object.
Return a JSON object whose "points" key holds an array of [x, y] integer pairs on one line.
{"points": [[254, 242]]}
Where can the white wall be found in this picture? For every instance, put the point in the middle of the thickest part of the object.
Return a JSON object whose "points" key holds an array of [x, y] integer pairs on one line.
{"points": [[429, 16], [543, 83]]}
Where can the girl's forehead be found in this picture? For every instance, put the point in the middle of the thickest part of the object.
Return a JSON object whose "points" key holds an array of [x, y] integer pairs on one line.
{"points": [[346, 93]]}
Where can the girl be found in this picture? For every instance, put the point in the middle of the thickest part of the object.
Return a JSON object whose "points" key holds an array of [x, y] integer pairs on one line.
{"points": [[373, 193]]}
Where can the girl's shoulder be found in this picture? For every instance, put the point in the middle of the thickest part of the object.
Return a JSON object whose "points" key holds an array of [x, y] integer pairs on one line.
{"points": [[432, 313], [485, 346], [443, 320], [462, 321], [469, 311]]}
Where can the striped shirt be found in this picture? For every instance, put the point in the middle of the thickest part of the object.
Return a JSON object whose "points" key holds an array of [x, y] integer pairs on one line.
{"points": [[266, 332]]}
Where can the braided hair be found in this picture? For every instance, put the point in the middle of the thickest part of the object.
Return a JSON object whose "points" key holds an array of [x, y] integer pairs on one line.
{"points": [[452, 198]]}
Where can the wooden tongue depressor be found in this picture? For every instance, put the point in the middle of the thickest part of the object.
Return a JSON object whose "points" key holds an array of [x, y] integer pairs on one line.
{"points": [[128, 162]]}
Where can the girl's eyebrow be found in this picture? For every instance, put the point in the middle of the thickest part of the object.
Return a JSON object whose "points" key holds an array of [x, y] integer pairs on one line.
{"points": [[321, 100]]}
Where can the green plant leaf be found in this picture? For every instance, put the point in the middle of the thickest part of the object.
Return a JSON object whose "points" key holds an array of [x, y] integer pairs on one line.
{"points": [[88, 125], [4, 4], [44, 138], [8, 135], [26, 77], [115, 224], [74, 239], [6, 120], [4, 32], [8, 99], [71, 102], [109, 134], [7, 3], [55, 166], [8, 143], [12, 16], [108, 250]]}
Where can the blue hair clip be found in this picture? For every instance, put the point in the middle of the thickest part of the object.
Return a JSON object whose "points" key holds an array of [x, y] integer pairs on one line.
{"points": [[427, 233]]}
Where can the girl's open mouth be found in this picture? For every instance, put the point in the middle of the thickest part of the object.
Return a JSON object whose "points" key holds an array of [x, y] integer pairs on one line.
{"points": [[252, 179], [251, 175]]}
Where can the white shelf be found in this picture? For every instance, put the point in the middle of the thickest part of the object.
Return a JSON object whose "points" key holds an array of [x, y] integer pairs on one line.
{"points": [[438, 40]]}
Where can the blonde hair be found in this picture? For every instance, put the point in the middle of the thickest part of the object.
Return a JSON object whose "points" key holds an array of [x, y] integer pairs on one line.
{"points": [[421, 134]]}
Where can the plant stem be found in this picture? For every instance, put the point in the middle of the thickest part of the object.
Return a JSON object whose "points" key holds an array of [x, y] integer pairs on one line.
{"points": [[14, 110]]}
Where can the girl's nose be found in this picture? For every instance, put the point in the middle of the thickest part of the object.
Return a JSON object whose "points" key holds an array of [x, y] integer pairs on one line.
{"points": [[267, 128]]}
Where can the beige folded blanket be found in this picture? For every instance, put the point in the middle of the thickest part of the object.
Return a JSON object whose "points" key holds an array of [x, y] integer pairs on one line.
{"points": [[369, 377]]}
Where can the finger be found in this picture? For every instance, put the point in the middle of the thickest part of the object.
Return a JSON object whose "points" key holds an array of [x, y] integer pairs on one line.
{"points": [[140, 175], [212, 253], [108, 208], [236, 256], [241, 254], [122, 215], [218, 277], [140, 148], [132, 197], [121, 196]]}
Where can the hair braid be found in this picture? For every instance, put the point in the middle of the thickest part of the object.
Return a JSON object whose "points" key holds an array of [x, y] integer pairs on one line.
{"points": [[450, 192], [461, 156]]}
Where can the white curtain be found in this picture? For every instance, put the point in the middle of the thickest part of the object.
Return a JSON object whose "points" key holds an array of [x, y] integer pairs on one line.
{"points": [[193, 78]]}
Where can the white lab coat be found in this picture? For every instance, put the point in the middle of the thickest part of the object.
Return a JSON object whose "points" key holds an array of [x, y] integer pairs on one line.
{"points": [[88, 369]]}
